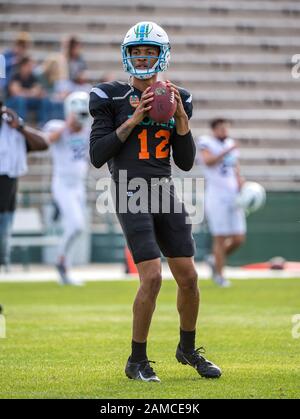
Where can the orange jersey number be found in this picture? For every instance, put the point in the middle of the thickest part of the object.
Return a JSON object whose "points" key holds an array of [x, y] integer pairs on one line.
{"points": [[160, 153]]}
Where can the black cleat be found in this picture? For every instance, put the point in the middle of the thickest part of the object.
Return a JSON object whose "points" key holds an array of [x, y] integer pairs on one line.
{"points": [[141, 371], [204, 367]]}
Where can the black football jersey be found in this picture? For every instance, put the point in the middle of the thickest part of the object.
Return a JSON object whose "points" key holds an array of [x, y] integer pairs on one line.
{"points": [[146, 152]]}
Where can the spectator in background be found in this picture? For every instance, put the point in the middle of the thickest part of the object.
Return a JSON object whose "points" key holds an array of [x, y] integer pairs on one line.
{"points": [[76, 64], [107, 77], [16, 139], [80, 82], [26, 93], [53, 76], [64, 73], [13, 57]]}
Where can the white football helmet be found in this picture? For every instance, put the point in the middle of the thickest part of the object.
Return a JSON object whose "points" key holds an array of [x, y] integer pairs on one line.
{"points": [[78, 104], [146, 33], [252, 197]]}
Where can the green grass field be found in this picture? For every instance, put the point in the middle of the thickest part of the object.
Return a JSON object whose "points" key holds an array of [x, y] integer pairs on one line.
{"points": [[74, 342]]}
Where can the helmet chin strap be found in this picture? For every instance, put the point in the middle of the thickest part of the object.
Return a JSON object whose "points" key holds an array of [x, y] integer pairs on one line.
{"points": [[144, 76]]}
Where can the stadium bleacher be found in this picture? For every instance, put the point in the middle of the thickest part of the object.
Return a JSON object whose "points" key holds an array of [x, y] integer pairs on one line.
{"points": [[233, 55]]}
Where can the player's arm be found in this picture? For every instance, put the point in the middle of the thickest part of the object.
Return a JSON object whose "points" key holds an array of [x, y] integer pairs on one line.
{"points": [[183, 146], [105, 140], [54, 130], [35, 139], [240, 179], [211, 159], [54, 136]]}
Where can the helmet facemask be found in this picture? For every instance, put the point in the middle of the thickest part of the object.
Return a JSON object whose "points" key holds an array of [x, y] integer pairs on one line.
{"points": [[146, 34], [160, 65]]}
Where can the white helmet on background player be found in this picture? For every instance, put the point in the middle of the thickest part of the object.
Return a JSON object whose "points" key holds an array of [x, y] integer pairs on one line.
{"points": [[77, 103], [146, 33], [252, 197]]}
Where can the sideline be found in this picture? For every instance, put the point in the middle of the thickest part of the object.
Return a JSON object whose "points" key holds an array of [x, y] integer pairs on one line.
{"points": [[115, 272]]}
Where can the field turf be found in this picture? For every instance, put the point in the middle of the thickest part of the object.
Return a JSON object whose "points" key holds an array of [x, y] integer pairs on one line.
{"points": [[74, 342]]}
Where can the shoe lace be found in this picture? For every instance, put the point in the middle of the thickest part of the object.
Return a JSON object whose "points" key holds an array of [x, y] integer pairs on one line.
{"points": [[147, 368], [197, 354]]}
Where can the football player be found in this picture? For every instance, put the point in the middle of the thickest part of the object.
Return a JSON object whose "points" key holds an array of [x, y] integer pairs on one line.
{"points": [[124, 136], [16, 140], [226, 220], [69, 146]]}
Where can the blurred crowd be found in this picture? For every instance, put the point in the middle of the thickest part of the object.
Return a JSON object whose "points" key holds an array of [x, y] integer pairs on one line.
{"points": [[36, 90]]}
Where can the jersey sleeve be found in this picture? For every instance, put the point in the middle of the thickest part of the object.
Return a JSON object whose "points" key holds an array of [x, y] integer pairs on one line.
{"points": [[53, 125], [203, 143], [183, 146], [183, 151], [104, 142], [187, 101], [235, 154]]}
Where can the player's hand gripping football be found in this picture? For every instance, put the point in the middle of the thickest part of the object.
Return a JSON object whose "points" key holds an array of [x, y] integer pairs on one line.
{"points": [[143, 107], [181, 118], [180, 112]]}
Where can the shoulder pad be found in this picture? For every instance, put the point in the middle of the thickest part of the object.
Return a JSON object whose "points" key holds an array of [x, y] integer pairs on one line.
{"points": [[185, 95], [103, 95], [187, 101], [204, 142], [110, 90], [53, 125]]}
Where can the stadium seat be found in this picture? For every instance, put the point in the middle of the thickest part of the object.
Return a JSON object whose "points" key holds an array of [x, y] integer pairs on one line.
{"points": [[237, 67]]}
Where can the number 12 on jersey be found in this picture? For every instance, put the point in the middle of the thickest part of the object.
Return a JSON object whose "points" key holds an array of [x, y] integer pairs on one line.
{"points": [[160, 153]]}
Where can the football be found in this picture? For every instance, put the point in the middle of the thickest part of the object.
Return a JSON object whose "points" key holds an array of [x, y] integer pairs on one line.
{"points": [[252, 197], [164, 102]]}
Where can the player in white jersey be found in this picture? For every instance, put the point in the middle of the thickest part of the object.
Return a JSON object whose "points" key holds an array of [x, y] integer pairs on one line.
{"points": [[226, 221], [69, 146], [16, 140]]}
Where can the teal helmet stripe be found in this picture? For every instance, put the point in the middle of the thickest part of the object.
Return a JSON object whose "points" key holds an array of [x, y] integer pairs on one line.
{"points": [[142, 31], [147, 31]]}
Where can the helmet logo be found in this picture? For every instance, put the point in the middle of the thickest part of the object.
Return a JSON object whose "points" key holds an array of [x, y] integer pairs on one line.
{"points": [[134, 101], [143, 31]]}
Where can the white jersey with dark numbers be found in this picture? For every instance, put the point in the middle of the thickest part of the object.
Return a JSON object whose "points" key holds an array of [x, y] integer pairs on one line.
{"points": [[220, 177], [70, 152], [224, 217]]}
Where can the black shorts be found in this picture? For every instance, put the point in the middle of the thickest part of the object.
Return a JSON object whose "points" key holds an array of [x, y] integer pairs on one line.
{"points": [[156, 229]]}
